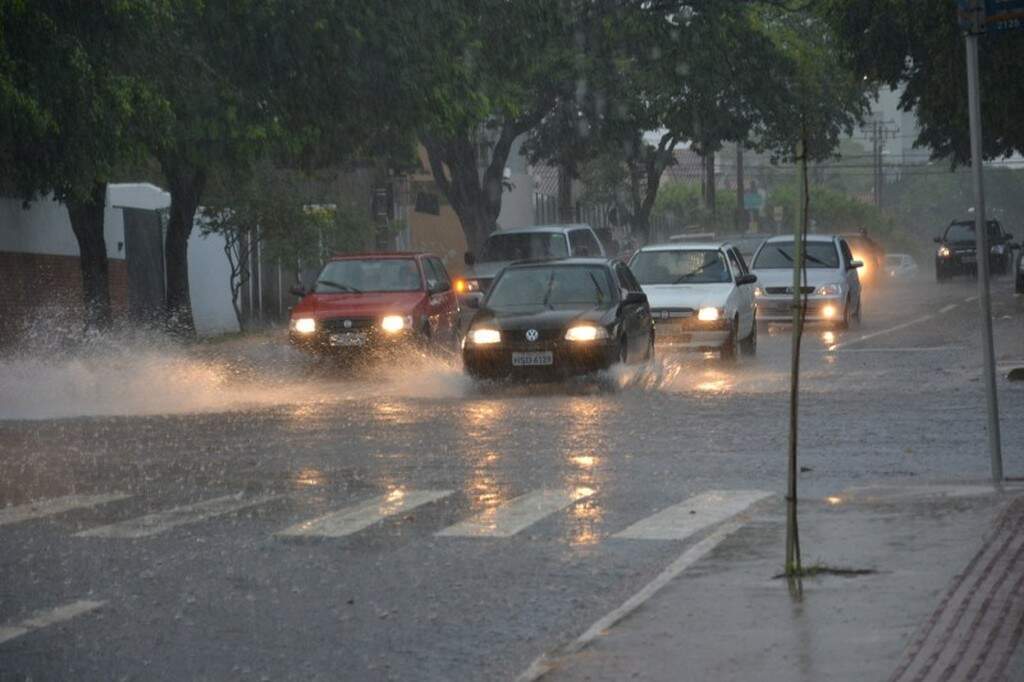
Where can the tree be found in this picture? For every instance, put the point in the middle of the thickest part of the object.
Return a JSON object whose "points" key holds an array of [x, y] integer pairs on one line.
{"points": [[917, 44], [70, 115], [513, 52]]}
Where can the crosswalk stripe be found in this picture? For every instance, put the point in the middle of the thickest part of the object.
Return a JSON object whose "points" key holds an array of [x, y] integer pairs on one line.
{"points": [[43, 618], [151, 524], [359, 516], [682, 520], [513, 516], [57, 505]]}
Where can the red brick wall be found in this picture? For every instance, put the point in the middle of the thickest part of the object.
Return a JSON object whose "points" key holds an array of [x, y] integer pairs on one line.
{"points": [[32, 282]]}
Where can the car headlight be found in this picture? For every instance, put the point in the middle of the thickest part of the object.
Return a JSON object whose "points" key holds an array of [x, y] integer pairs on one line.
{"points": [[827, 290], [586, 332], [998, 249], [393, 324], [467, 286], [302, 325], [709, 314], [828, 311], [943, 252], [482, 337], [758, 292]]}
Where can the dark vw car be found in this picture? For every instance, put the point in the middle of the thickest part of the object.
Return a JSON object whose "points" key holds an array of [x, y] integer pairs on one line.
{"points": [[559, 318], [957, 252]]}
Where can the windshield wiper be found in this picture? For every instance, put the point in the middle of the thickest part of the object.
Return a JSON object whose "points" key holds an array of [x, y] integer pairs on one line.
{"points": [[693, 272], [784, 254], [339, 287], [815, 260]]}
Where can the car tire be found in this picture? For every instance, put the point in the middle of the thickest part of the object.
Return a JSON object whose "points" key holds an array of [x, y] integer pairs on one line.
{"points": [[623, 358], [1020, 283], [844, 323], [728, 351], [748, 346], [856, 313], [649, 352]]}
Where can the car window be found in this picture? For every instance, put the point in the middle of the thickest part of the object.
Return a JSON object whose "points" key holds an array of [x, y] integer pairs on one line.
{"points": [[847, 254], [738, 266], [370, 274], [679, 266], [626, 279], [964, 231], [779, 255], [583, 244], [438, 271], [562, 286], [524, 246]]}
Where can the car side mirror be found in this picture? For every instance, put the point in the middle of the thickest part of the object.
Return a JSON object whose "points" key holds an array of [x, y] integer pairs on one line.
{"points": [[748, 278], [298, 290], [469, 259], [937, 240], [856, 264], [472, 302], [635, 298]]}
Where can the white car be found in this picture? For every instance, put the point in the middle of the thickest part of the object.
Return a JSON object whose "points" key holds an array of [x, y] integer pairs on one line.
{"points": [[701, 296], [832, 287], [900, 266]]}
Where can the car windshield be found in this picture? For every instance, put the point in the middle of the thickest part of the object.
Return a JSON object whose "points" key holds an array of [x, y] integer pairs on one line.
{"points": [[562, 286], [358, 276], [964, 231], [690, 266], [524, 246], [778, 255]]}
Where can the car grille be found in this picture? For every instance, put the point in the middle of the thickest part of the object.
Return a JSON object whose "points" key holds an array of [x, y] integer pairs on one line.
{"points": [[337, 324], [671, 313], [787, 290]]}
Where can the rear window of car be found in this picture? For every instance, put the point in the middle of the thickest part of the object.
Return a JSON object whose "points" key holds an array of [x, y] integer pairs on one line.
{"points": [[777, 255], [370, 274], [524, 246], [559, 286]]}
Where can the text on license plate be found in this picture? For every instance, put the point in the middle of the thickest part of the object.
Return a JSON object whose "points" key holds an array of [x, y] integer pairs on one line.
{"points": [[350, 339], [533, 358]]}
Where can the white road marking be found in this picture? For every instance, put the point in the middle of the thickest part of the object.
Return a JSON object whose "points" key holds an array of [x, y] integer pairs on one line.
{"points": [[52, 506], [357, 517], [949, 307], [865, 337], [882, 491], [521, 512], [544, 663], [931, 349], [970, 299], [152, 524], [43, 618], [682, 520]]}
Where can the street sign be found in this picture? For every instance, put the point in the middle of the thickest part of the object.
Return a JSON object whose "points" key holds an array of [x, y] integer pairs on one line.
{"points": [[995, 15]]}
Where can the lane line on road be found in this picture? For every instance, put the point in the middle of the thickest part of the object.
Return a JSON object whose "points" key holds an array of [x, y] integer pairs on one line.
{"points": [[545, 662], [694, 514], [152, 524], [929, 349], [881, 332], [515, 515], [949, 307], [50, 617], [970, 299], [363, 515], [57, 505]]}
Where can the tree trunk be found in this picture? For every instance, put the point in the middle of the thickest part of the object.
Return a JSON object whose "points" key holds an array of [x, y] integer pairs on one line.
{"points": [[709, 183], [186, 189], [566, 208], [741, 190], [87, 224]]}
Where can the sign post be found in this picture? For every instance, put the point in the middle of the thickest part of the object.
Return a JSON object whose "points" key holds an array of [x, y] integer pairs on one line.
{"points": [[979, 18]]}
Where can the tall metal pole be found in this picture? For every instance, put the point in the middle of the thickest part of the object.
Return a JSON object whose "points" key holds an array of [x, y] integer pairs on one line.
{"points": [[981, 240]]}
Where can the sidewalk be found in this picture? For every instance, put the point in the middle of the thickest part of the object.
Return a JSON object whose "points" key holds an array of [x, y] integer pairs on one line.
{"points": [[946, 600]]}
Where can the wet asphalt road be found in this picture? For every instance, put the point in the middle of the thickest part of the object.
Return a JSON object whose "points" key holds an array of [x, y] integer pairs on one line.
{"points": [[230, 597]]}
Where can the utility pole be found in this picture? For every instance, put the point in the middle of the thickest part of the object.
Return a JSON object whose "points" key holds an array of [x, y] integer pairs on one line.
{"points": [[880, 130], [981, 241], [741, 211]]}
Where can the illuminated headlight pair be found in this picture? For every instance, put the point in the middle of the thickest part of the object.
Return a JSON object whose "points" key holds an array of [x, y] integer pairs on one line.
{"points": [[827, 290], [709, 314], [392, 324], [302, 325], [944, 252]]}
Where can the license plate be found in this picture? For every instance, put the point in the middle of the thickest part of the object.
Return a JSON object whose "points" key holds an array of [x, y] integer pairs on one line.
{"points": [[533, 359], [352, 339]]}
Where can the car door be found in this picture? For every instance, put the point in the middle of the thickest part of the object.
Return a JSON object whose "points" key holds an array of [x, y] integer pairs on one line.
{"points": [[636, 317], [742, 293], [444, 305], [850, 273]]}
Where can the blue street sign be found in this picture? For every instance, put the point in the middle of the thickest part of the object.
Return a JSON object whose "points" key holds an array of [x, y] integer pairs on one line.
{"points": [[996, 15]]}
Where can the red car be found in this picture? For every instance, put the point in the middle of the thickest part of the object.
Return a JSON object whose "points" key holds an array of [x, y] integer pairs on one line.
{"points": [[376, 300]]}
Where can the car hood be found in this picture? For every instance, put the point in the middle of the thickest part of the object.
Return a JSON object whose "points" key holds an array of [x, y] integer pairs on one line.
{"points": [[541, 318], [372, 304], [488, 270], [687, 295], [783, 277]]}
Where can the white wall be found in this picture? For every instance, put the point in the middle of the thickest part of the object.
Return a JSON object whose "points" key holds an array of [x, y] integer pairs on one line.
{"points": [[208, 275], [44, 227]]}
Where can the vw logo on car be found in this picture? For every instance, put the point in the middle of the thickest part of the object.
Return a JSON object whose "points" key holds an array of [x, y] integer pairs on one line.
{"points": [[532, 335]]}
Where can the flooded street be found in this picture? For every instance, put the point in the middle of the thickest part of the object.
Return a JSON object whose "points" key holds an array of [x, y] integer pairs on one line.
{"points": [[234, 510]]}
